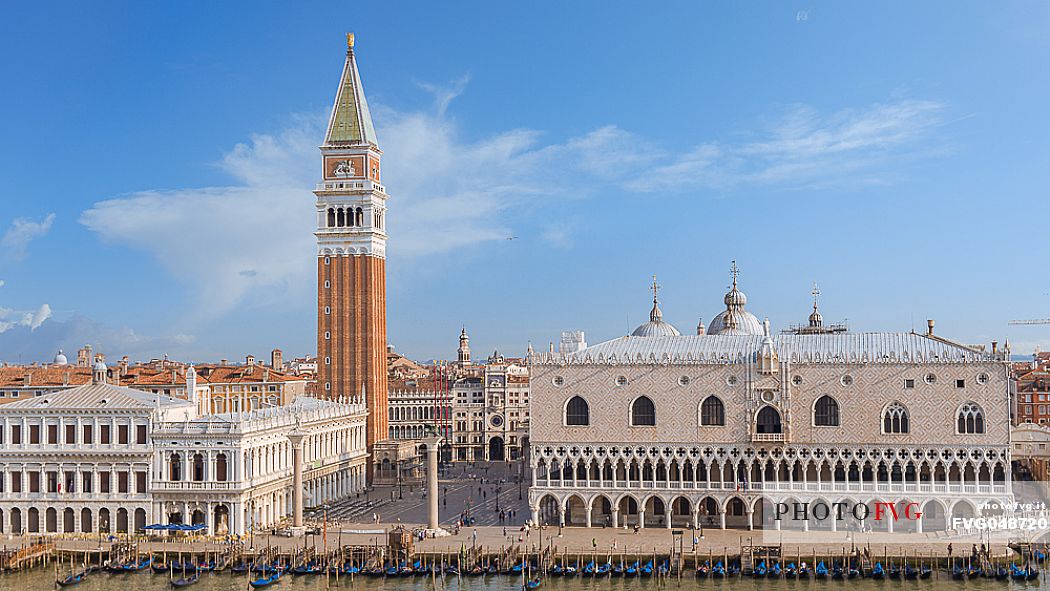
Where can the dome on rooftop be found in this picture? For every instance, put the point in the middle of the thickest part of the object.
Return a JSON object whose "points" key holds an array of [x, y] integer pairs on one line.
{"points": [[656, 327], [60, 359], [735, 320]]}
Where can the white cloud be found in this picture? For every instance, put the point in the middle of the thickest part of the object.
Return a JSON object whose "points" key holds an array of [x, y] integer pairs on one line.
{"points": [[805, 148], [21, 232], [32, 319], [252, 242]]}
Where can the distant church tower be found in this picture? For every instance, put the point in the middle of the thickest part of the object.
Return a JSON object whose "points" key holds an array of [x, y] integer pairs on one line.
{"points": [[463, 355], [351, 256]]}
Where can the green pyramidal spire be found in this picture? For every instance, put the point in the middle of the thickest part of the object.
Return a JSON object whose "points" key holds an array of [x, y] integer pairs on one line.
{"points": [[351, 123]]}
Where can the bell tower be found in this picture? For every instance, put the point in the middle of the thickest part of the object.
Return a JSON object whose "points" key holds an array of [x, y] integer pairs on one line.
{"points": [[351, 256]]}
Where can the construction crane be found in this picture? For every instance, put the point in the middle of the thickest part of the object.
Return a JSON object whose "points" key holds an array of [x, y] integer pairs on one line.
{"points": [[1034, 321]]}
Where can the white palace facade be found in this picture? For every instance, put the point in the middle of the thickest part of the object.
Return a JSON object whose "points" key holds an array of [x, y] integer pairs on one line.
{"points": [[714, 429], [100, 458]]}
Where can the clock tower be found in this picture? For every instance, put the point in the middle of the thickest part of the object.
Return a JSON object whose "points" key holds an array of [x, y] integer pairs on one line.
{"points": [[351, 256]]}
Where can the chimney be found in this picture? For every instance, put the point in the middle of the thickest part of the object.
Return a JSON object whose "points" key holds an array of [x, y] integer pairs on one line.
{"points": [[27, 380], [223, 362], [65, 378], [249, 360], [123, 364], [929, 327]]}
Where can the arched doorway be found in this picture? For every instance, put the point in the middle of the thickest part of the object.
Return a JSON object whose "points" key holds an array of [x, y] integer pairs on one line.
{"points": [[140, 519], [549, 510], [51, 520], [103, 520], [122, 520], [16, 520], [85, 520], [68, 526], [496, 449], [769, 421], [34, 520], [222, 520], [197, 518]]}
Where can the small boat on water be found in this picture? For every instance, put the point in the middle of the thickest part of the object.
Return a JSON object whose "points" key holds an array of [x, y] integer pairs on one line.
{"points": [[265, 581], [160, 567], [186, 581], [958, 573], [647, 570], [790, 571], [309, 568], [533, 583], [803, 570], [632, 571], [760, 570], [703, 570], [72, 579], [853, 572], [135, 565], [877, 572], [821, 571], [775, 571]]}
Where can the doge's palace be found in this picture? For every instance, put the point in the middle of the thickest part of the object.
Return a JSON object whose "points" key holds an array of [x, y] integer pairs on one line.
{"points": [[713, 429]]}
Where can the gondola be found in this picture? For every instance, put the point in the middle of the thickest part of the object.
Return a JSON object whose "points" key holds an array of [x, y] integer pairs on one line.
{"points": [[452, 570], [973, 572], [803, 571], [240, 568], [853, 572], [185, 581], [310, 568], [475, 571], [910, 572], [73, 579], [135, 566], [588, 569], [837, 572], [160, 567], [603, 569], [718, 571], [647, 570], [877, 572], [925, 572], [632, 571], [533, 583], [821, 571], [775, 571], [265, 581], [703, 570], [790, 571], [894, 572], [760, 570], [618, 570], [958, 573]]}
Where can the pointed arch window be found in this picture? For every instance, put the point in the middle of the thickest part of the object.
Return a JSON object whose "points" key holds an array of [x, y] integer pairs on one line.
{"points": [[826, 412], [577, 412], [970, 419], [895, 419], [643, 412], [712, 412], [769, 421]]}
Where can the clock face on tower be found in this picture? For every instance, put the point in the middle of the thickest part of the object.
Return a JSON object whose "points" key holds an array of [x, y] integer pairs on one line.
{"points": [[497, 421]]}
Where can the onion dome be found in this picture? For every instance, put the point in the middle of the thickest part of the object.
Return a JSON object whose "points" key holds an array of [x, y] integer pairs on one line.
{"points": [[656, 327], [735, 320]]}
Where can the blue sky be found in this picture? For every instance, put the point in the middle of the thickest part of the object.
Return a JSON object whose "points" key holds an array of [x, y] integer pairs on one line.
{"points": [[158, 160]]}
